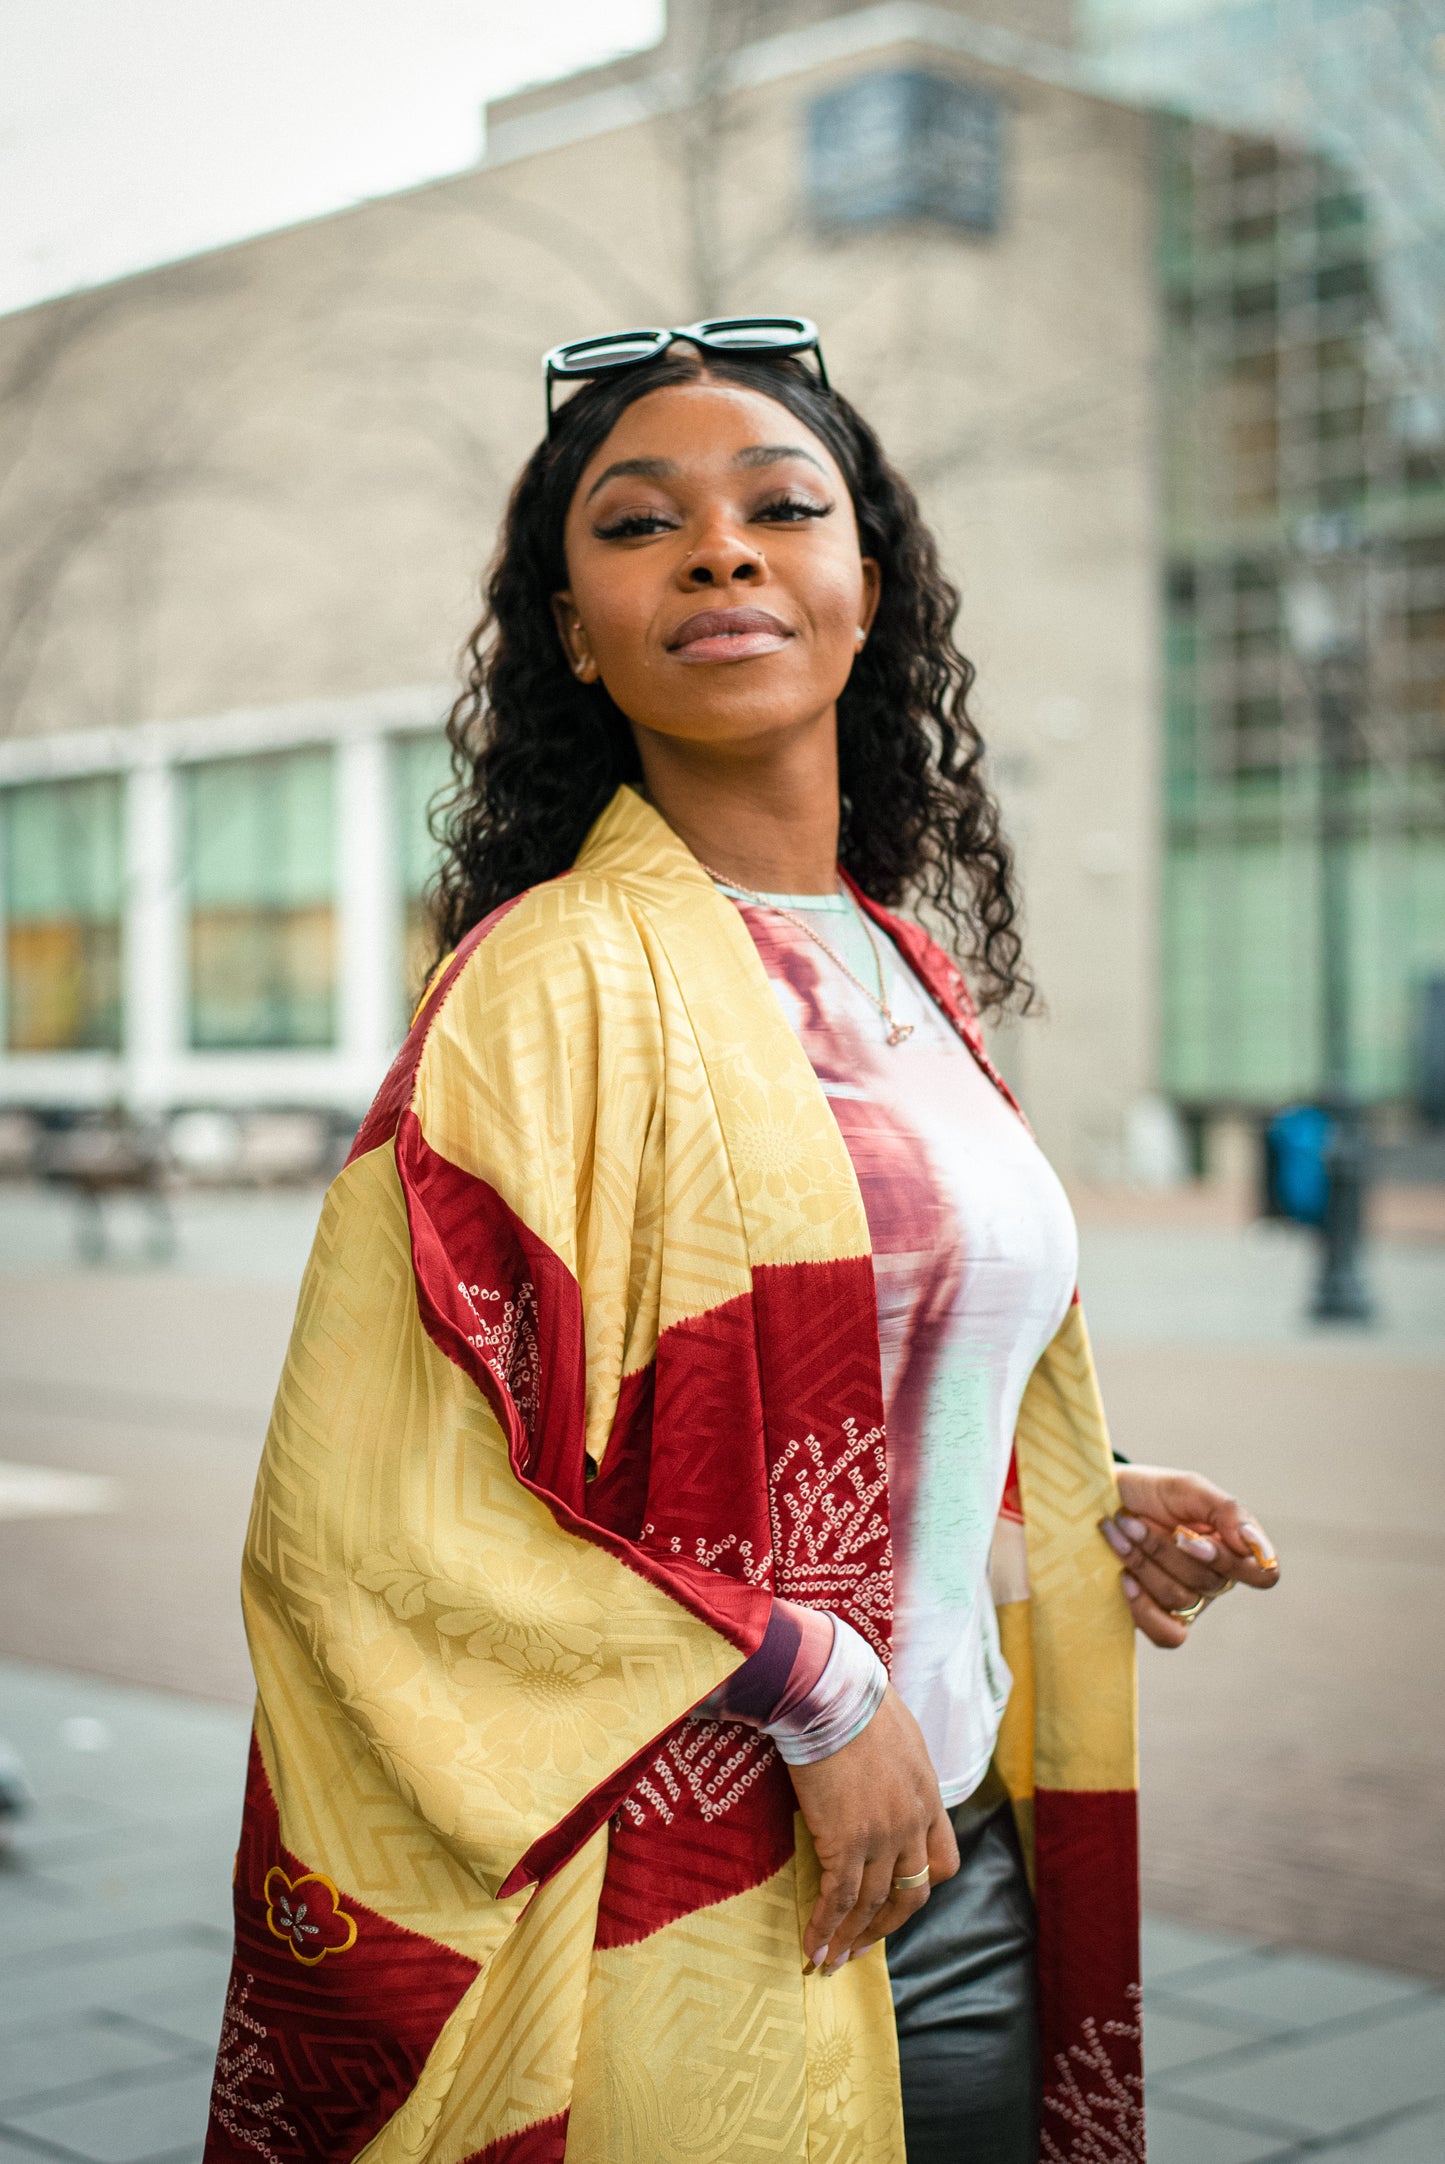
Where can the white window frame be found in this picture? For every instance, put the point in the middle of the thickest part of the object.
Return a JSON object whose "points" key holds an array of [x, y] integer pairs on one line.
{"points": [[155, 1070]]}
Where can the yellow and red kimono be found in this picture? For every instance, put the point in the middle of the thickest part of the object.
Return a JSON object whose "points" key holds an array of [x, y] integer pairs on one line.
{"points": [[585, 1369]]}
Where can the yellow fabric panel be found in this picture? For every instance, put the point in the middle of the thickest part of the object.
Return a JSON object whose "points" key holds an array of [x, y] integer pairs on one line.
{"points": [[341, 1814], [1082, 1632], [705, 2041], [494, 1667], [542, 1074], [1013, 1753], [855, 2113], [692, 2040], [789, 1165], [505, 2059]]}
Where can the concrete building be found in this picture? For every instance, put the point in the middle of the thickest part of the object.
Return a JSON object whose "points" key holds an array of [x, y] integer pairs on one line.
{"points": [[246, 499]]}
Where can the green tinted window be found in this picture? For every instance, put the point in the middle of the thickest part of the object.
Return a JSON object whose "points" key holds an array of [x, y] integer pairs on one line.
{"points": [[63, 879], [261, 877]]}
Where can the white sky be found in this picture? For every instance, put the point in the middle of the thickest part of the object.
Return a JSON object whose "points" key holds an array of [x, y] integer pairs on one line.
{"points": [[136, 131]]}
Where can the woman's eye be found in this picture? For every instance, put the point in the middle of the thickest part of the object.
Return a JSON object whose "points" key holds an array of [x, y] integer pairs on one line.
{"points": [[629, 524], [788, 509]]}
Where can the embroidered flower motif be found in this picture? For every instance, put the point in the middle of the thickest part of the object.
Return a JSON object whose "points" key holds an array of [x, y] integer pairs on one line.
{"points": [[524, 1603], [307, 1913], [832, 2057], [558, 1707]]}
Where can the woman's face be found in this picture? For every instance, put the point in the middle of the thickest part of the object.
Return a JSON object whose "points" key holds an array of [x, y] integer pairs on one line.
{"points": [[715, 581]]}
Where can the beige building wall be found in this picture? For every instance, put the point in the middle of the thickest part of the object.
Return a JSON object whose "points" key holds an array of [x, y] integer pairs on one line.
{"points": [[273, 474]]}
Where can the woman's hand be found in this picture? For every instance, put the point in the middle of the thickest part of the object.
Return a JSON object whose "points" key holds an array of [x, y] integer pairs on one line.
{"points": [[875, 1815], [1181, 1539]]}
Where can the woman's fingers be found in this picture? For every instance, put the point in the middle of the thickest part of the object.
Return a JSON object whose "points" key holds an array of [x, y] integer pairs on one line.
{"points": [[1157, 1624], [870, 1808], [1172, 1574], [868, 1919], [1247, 1548], [942, 1863]]}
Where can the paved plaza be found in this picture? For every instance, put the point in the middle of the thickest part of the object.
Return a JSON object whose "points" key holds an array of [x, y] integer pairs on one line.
{"points": [[1294, 1758], [114, 1918]]}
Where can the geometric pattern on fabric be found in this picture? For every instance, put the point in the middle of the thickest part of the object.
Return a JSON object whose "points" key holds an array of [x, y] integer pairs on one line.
{"points": [[827, 1458], [854, 2106], [693, 2045], [1089, 1991], [405, 1588], [331, 2012], [1083, 1634], [602, 1202], [673, 1850], [505, 2069], [544, 2143]]}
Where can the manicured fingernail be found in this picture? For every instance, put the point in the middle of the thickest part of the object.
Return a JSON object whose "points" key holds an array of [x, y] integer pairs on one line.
{"points": [[1194, 1544], [841, 1962], [820, 1959], [1259, 1547], [1130, 1585], [1134, 1527], [1115, 1538]]}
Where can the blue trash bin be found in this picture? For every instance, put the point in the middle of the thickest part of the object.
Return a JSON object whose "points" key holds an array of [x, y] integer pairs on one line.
{"points": [[1297, 1174]]}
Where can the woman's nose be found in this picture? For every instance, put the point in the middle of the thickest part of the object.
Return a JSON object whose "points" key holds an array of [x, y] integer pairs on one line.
{"points": [[720, 560]]}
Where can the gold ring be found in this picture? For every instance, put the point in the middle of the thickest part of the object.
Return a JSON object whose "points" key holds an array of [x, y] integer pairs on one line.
{"points": [[1191, 1615], [911, 1880]]}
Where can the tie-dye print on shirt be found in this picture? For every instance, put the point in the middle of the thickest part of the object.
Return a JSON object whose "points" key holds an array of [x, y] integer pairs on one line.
{"points": [[974, 1259]]}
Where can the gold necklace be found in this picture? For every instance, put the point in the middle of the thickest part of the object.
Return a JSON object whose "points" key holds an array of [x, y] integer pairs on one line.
{"points": [[898, 1032]]}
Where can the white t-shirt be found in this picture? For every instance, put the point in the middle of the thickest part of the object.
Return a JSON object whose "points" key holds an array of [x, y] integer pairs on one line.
{"points": [[975, 1255]]}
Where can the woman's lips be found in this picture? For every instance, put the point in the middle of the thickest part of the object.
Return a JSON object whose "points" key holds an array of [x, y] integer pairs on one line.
{"points": [[729, 635]]}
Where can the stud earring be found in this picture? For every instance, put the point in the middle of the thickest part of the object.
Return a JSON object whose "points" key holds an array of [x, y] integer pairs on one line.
{"points": [[862, 635]]}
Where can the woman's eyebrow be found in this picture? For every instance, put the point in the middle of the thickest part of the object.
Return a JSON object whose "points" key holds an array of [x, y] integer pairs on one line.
{"points": [[768, 454], [644, 469]]}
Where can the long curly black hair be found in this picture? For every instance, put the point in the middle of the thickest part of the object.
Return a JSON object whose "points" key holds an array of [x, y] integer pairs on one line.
{"points": [[536, 755]]}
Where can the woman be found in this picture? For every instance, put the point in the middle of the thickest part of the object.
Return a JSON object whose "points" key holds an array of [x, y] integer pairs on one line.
{"points": [[581, 1797]]}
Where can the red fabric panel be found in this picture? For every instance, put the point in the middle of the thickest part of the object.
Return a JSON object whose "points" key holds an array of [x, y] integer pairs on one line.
{"points": [[707, 1495], [543, 2143], [506, 1310], [617, 1498], [318, 2051], [1086, 1848], [817, 1331], [660, 1867]]}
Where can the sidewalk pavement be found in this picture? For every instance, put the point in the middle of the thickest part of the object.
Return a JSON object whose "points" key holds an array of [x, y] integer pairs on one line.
{"points": [[114, 1919]]}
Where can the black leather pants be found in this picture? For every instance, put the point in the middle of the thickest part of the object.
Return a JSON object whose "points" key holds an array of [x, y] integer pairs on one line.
{"points": [[962, 1972]]}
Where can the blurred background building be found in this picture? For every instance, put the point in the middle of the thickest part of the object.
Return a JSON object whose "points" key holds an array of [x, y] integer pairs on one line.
{"points": [[1146, 299]]}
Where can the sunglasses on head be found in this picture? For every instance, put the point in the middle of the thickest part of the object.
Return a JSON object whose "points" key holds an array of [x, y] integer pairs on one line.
{"points": [[584, 357]]}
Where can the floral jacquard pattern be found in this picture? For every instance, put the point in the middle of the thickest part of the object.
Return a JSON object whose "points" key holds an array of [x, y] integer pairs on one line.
{"points": [[306, 1912]]}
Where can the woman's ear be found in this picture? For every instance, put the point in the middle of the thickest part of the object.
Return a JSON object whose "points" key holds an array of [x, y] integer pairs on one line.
{"points": [[574, 639], [872, 588]]}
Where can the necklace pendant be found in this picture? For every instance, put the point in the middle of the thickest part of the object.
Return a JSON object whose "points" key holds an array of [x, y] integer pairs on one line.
{"points": [[900, 1033]]}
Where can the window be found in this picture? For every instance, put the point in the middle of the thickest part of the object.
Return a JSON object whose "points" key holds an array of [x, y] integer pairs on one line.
{"points": [[63, 853], [904, 144], [260, 864], [422, 766]]}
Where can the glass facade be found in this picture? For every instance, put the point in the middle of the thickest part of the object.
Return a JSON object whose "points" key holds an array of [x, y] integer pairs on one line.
{"points": [[63, 857], [1292, 411], [260, 859], [421, 766]]}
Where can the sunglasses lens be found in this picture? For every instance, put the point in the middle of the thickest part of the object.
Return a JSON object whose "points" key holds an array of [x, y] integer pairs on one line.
{"points": [[621, 348], [758, 332]]}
